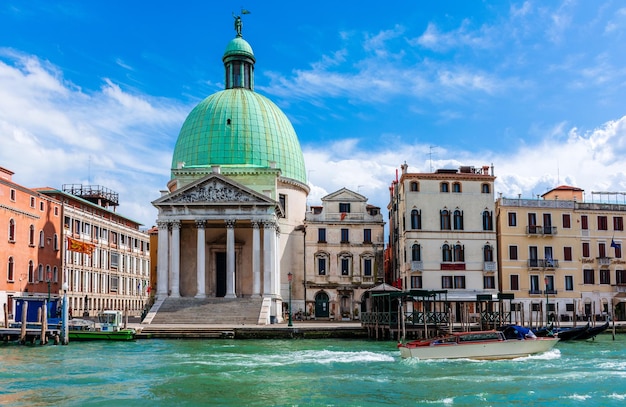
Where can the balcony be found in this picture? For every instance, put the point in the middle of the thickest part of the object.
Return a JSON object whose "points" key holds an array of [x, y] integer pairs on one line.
{"points": [[549, 264], [534, 292], [489, 266], [417, 266], [534, 230], [452, 266], [604, 261], [551, 292]]}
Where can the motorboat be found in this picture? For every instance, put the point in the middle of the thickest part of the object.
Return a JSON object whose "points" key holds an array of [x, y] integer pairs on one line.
{"points": [[109, 327], [481, 345]]}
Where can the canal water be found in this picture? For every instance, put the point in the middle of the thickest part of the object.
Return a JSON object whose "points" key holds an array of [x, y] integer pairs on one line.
{"points": [[303, 373]]}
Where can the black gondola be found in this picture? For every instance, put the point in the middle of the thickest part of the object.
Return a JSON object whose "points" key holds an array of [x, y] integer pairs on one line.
{"points": [[591, 333]]}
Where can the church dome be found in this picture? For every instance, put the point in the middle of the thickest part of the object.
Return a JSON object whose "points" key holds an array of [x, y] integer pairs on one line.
{"points": [[237, 126]]}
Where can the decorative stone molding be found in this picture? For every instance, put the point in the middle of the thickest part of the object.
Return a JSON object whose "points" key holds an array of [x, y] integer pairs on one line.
{"points": [[200, 223], [230, 223], [214, 191]]}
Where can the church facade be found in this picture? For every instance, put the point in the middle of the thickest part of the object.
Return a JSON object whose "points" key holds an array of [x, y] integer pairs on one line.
{"points": [[237, 192]]}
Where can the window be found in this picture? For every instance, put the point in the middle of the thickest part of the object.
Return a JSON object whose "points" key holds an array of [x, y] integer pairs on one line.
{"points": [[345, 236], [459, 282], [602, 223], [321, 266], [416, 219], [41, 239], [41, 206], [487, 253], [485, 188], [514, 282], [620, 277], [512, 219], [534, 284], [588, 275], [446, 253], [344, 207], [605, 276], [321, 235], [56, 242], [567, 222], [618, 223], [416, 281], [489, 282], [512, 252], [32, 201], [569, 283], [584, 222], [445, 219], [459, 253], [456, 187], [367, 267], [31, 272], [532, 223], [40, 273], [115, 260], [414, 186], [345, 266], [12, 230], [487, 220], [282, 200], [446, 282], [56, 211], [367, 235], [31, 236], [10, 269], [618, 251], [549, 282], [444, 187], [586, 249], [113, 283], [416, 252], [601, 250], [12, 195], [458, 220], [567, 253]]}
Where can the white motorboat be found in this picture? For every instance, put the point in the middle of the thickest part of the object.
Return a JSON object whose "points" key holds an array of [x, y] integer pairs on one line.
{"points": [[475, 345]]}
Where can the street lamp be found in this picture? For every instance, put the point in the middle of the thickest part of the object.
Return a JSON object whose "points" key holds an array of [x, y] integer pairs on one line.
{"points": [[289, 278]]}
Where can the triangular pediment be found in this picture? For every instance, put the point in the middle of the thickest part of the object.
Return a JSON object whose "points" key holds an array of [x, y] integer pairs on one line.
{"points": [[214, 189], [345, 195]]}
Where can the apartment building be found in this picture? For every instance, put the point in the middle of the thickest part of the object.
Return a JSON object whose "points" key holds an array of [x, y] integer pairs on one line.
{"points": [[31, 250], [106, 257], [560, 257], [442, 235], [344, 242]]}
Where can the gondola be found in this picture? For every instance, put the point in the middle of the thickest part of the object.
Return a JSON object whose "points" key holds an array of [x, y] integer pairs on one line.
{"points": [[570, 334], [591, 333]]}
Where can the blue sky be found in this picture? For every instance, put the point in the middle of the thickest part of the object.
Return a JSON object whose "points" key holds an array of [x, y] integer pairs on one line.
{"points": [[96, 92]]}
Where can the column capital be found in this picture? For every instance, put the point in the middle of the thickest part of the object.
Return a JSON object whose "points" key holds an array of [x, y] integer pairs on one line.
{"points": [[255, 224], [176, 224], [162, 224], [200, 223], [267, 224], [230, 223]]}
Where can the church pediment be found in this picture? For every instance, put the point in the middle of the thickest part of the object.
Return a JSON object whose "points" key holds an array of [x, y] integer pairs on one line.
{"points": [[214, 189], [345, 195]]}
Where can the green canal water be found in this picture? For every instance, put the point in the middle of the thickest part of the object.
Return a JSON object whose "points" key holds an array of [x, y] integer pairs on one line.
{"points": [[303, 373]]}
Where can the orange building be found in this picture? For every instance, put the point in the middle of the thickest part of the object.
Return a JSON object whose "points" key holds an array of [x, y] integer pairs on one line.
{"points": [[30, 253]]}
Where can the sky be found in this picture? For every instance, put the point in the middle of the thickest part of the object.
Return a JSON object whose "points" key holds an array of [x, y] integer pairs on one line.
{"points": [[96, 92]]}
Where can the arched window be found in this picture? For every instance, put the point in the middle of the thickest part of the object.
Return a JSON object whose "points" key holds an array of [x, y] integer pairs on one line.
{"points": [[31, 235], [10, 269], [458, 220], [48, 273], [487, 220], [416, 252], [485, 189], [31, 272], [445, 219], [56, 242], [456, 187], [444, 187], [416, 219], [322, 264], [11, 230], [487, 253], [41, 238], [446, 253], [55, 274], [459, 253], [345, 262], [415, 186], [40, 273]]}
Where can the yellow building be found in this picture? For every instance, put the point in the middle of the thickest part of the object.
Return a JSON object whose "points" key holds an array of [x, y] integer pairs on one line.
{"points": [[561, 257]]}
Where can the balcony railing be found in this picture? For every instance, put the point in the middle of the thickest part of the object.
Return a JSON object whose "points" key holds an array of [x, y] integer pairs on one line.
{"points": [[534, 292], [543, 263], [604, 261], [489, 266], [551, 292], [541, 230], [417, 265]]}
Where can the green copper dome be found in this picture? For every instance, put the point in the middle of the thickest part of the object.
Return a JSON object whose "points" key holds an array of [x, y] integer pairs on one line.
{"points": [[238, 127]]}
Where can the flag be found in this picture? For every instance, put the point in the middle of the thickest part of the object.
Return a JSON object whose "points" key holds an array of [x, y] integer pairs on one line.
{"points": [[80, 247], [615, 245], [244, 11], [343, 215]]}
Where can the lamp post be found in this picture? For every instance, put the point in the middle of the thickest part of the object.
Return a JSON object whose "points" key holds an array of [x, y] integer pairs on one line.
{"points": [[289, 278]]}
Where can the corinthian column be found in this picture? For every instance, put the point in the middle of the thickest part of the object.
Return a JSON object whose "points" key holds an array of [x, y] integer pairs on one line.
{"points": [[163, 259], [201, 256], [230, 259], [256, 260], [175, 259]]}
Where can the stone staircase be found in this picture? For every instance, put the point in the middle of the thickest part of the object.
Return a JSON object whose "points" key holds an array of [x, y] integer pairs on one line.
{"points": [[204, 311]]}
